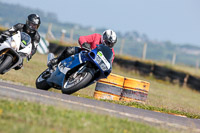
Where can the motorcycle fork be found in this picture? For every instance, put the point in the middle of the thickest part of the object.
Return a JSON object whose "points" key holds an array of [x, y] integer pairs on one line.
{"points": [[80, 70], [88, 65], [4, 52]]}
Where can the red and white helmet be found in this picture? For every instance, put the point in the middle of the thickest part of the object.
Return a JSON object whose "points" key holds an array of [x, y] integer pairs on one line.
{"points": [[109, 38]]}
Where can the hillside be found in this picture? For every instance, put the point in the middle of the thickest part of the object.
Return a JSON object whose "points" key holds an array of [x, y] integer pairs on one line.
{"points": [[133, 40]]}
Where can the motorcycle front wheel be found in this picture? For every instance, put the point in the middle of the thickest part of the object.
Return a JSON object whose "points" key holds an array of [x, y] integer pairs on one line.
{"points": [[41, 81], [5, 62], [76, 81]]}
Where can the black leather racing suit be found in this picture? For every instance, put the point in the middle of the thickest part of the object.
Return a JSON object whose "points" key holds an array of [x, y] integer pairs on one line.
{"points": [[35, 37]]}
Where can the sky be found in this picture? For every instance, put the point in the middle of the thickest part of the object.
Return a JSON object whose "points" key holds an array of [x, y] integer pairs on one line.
{"points": [[177, 21]]}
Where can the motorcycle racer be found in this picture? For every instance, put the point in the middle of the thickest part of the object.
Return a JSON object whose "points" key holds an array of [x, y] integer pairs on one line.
{"points": [[108, 38], [32, 24]]}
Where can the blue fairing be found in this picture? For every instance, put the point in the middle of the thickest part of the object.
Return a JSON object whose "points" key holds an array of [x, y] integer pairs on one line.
{"points": [[58, 76], [65, 65], [93, 55]]}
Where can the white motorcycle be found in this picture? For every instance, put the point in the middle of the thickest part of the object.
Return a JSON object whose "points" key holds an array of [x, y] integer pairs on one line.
{"points": [[13, 50]]}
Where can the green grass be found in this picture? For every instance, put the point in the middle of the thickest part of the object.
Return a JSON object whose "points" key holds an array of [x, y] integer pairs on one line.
{"points": [[147, 107], [166, 95], [162, 96], [25, 117], [158, 109]]}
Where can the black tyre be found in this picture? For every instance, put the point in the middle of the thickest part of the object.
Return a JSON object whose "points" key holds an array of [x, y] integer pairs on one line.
{"points": [[76, 82], [6, 62], [41, 81]]}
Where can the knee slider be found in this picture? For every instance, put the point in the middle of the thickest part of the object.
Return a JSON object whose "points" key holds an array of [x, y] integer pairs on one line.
{"points": [[69, 51]]}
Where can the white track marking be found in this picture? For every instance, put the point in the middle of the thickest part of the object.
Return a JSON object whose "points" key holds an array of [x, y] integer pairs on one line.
{"points": [[147, 119]]}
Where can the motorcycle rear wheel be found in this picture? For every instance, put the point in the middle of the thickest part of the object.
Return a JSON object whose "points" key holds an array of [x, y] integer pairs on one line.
{"points": [[41, 81], [76, 82], [5, 63]]}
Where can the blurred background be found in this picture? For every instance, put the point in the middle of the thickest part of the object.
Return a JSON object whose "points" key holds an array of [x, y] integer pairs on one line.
{"points": [[165, 30]]}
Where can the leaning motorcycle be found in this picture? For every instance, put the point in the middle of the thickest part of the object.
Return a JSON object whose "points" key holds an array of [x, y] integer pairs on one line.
{"points": [[77, 71], [13, 50]]}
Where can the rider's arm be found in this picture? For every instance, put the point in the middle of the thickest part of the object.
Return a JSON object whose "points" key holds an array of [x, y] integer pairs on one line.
{"points": [[92, 39], [10, 32], [34, 48], [13, 29], [35, 43], [81, 40]]}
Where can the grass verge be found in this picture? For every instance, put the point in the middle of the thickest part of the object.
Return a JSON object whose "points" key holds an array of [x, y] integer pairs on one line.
{"points": [[26, 117], [147, 107]]}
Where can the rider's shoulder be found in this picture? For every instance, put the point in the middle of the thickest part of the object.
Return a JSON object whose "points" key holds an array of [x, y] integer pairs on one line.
{"points": [[19, 25], [96, 34]]}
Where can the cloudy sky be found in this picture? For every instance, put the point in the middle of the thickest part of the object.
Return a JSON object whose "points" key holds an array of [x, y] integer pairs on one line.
{"points": [[175, 20]]}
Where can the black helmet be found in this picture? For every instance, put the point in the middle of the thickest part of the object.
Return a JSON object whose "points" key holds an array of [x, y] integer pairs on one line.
{"points": [[109, 38], [32, 23]]}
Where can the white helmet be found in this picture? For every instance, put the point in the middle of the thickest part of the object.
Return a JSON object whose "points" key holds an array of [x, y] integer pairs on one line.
{"points": [[109, 38]]}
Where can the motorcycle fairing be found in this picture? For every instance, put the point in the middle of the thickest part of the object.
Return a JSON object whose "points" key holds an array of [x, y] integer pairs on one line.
{"points": [[14, 49], [4, 45], [58, 76], [92, 55]]}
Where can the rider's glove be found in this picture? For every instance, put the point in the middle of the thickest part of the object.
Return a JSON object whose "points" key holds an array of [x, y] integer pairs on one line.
{"points": [[2, 38], [86, 46]]}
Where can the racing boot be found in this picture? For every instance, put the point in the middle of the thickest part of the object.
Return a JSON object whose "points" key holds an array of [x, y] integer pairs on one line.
{"points": [[53, 63], [19, 66]]}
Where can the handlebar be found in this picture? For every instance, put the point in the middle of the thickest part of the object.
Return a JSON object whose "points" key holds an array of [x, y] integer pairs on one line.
{"points": [[5, 35]]}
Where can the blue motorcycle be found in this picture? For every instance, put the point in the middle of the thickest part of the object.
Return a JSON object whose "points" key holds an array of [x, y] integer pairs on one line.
{"points": [[77, 71]]}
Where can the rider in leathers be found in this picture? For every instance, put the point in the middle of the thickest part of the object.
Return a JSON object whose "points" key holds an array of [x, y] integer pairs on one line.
{"points": [[89, 42], [32, 24]]}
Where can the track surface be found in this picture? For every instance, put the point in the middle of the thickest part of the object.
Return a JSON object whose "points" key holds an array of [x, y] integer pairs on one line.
{"points": [[72, 102]]}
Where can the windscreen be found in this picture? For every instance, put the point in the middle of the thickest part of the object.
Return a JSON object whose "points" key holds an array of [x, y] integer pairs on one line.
{"points": [[107, 52], [25, 39]]}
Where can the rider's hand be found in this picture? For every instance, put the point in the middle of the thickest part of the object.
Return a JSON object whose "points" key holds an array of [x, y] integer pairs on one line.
{"points": [[86, 46], [1, 39]]}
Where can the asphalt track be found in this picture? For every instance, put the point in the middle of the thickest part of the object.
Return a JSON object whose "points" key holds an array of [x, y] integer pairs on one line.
{"points": [[14, 91]]}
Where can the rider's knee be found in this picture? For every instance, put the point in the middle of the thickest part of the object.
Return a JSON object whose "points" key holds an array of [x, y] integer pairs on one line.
{"points": [[69, 50]]}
